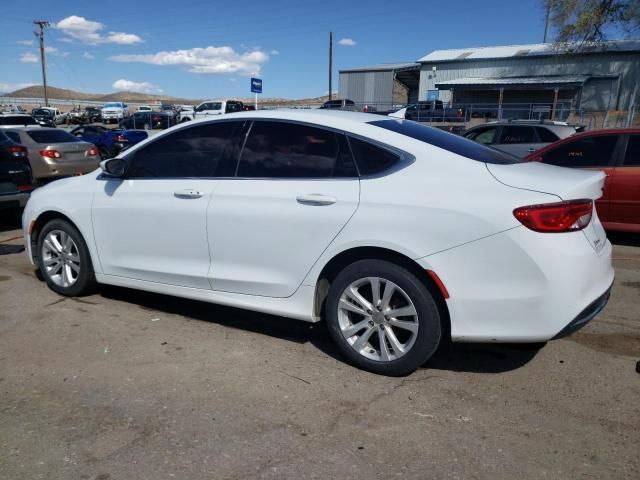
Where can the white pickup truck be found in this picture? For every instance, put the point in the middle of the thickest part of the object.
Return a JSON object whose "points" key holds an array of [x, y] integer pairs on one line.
{"points": [[211, 107], [114, 112]]}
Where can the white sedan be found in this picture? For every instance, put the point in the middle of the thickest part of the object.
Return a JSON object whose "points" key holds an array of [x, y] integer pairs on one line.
{"points": [[397, 234]]}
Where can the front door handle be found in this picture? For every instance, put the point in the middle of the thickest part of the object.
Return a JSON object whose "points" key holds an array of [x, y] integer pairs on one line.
{"points": [[316, 199], [188, 193]]}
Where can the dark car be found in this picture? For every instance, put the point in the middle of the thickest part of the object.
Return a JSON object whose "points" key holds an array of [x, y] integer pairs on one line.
{"points": [[44, 117], [616, 153], [17, 119], [434, 112], [15, 175], [92, 114], [109, 142], [340, 103], [149, 120]]}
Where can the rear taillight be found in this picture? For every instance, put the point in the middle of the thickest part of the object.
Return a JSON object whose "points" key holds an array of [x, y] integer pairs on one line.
{"points": [[18, 151], [25, 188], [50, 153], [568, 216], [92, 152]]}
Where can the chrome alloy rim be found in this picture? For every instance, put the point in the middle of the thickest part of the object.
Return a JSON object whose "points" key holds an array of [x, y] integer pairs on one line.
{"points": [[378, 319], [61, 258]]}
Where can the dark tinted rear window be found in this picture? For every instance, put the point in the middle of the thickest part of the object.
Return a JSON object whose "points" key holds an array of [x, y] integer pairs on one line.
{"points": [[594, 151], [14, 136], [371, 159], [17, 120], [447, 141], [546, 135], [52, 136]]}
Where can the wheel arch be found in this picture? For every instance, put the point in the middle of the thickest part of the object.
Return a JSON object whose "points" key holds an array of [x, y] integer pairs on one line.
{"points": [[41, 220], [349, 256]]}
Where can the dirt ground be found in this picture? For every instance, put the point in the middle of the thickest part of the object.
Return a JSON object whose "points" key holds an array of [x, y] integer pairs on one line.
{"points": [[132, 385]]}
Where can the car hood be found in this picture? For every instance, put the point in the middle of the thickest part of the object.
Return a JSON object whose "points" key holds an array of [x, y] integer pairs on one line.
{"points": [[565, 183]]}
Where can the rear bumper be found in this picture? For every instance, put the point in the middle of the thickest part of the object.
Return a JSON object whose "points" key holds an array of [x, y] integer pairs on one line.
{"points": [[13, 200], [47, 168], [586, 315], [522, 286]]}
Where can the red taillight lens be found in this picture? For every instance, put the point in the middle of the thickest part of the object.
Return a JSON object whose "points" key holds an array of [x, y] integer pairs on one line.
{"points": [[18, 151], [92, 152], [25, 188], [50, 153], [568, 216]]}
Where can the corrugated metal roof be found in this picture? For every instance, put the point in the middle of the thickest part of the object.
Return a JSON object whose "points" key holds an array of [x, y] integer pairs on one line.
{"points": [[384, 67], [545, 80], [531, 50]]}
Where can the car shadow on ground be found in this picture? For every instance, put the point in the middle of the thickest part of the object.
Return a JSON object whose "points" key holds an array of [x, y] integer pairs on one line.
{"points": [[478, 358], [624, 238]]}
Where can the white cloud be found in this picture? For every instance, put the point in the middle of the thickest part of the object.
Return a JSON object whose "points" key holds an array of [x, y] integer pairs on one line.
{"points": [[214, 60], [347, 42], [10, 87], [56, 51], [274, 52], [29, 57], [28, 43], [88, 31], [88, 55], [130, 86]]}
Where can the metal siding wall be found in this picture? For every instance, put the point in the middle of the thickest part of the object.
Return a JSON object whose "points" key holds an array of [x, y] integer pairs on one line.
{"points": [[367, 87], [625, 65]]}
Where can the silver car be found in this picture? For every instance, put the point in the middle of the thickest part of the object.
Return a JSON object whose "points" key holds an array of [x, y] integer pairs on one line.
{"points": [[519, 137], [54, 152]]}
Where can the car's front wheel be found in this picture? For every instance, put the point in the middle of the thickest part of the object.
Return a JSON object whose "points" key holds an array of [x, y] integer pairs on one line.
{"points": [[64, 260], [382, 317]]}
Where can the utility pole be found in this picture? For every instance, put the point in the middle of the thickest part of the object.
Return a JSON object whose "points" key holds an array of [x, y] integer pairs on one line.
{"points": [[546, 23], [43, 24], [330, 63]]}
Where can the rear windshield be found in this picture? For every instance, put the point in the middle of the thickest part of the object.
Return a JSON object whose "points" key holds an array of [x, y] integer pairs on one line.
{"points": [[52, 136], [17, 120], [447, 141], [41, 111], [113, 105]]}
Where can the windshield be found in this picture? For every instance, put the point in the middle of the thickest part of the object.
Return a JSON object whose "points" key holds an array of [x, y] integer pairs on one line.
{"points": [[40, 111], [447, 141], [112, 105], [52, 136], [17, 120]]}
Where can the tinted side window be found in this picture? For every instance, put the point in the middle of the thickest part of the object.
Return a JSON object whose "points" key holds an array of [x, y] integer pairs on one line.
{"points": [[593, 151], [191, 152], [370, 158], [632, 158], [545, 135], [484, 136], [517, 135], [289, 150]]}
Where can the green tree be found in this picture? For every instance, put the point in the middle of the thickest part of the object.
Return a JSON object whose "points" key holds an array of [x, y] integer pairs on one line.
{"points": [[588, 22]]}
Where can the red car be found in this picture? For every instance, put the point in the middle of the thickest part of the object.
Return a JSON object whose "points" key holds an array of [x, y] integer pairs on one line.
{"points": [[615, 152]]}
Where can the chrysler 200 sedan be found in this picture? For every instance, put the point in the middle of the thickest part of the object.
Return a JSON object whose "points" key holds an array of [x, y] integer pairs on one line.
{"points": [[397, 234]]}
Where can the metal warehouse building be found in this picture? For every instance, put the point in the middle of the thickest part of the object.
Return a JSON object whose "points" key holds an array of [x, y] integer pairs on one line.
{"points": [[600, 78]]}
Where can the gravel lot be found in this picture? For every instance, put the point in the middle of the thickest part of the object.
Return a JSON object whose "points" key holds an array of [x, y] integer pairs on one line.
{"points": [[131, 385]]}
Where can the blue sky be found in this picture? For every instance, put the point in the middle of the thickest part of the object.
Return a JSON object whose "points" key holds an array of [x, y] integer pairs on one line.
{"points": [[209, 48]]}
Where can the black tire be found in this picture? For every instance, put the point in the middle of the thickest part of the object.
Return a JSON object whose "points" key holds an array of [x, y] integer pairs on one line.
{"points": [[429, 330], [86, 280]]}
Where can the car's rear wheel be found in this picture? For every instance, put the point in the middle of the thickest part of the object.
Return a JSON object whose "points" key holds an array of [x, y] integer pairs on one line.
{"points": [[64, 260], [382, 317]]}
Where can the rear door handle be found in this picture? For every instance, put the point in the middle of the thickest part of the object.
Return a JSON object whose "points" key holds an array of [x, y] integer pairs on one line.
{"points": [[188, 193], [316, 199]]}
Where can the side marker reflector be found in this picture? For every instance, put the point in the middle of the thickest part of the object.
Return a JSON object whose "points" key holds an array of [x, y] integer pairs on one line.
{"points": [[439, 283]]}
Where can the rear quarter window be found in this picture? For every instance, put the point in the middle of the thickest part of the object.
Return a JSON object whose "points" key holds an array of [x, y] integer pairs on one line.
{"points": [[447, 141]]}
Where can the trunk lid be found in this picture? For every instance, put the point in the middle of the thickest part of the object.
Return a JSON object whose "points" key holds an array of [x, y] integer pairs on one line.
{"points": [[565, 183], [72, 151]]}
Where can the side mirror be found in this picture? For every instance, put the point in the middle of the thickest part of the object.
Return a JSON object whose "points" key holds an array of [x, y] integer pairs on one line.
{"points": [[113, 167]]}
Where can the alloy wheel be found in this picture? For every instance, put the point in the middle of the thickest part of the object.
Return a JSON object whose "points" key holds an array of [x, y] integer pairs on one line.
{"points": [[61, 258]]}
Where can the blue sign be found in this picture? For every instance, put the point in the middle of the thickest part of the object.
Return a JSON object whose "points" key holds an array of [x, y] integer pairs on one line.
{"points": [[432, 95], [256, 85]]}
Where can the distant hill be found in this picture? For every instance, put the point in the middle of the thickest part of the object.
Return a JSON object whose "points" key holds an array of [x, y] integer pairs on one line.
{"points": [[36, 91]]}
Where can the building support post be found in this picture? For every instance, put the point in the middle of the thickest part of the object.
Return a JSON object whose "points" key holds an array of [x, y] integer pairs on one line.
{"points": [[500, 103], [555, 103], [330, 65]]}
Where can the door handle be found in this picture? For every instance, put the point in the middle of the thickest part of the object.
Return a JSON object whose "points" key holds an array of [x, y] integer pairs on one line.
{"points": [[316, 199], [531, 149], [188, 193]]}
